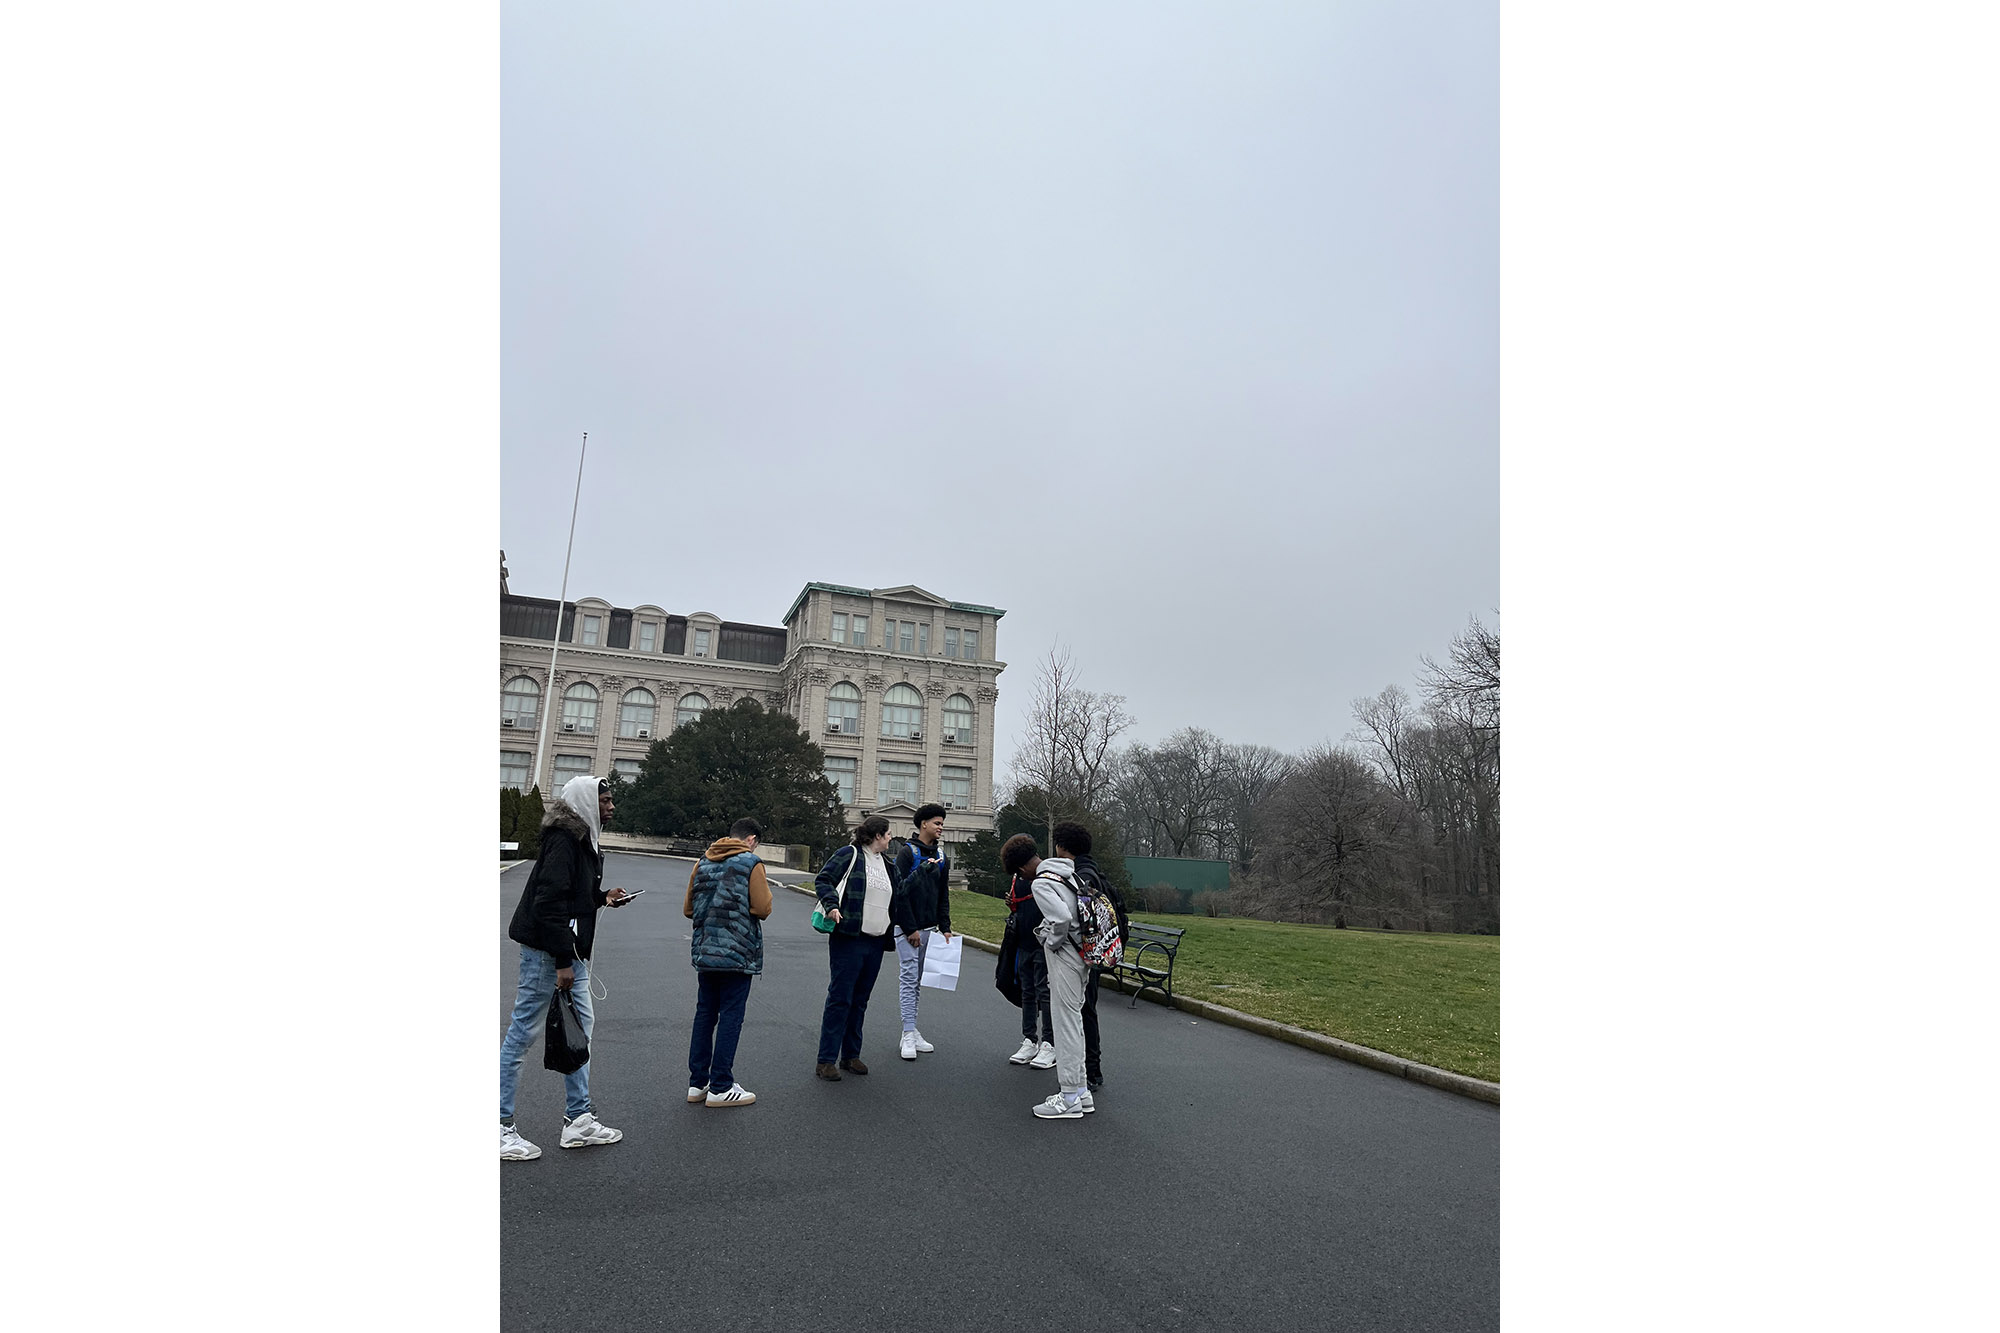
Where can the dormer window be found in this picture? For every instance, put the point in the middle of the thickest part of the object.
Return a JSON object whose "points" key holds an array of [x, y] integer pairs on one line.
{"points": [[701, 643], [590, 629], [648, 632]]}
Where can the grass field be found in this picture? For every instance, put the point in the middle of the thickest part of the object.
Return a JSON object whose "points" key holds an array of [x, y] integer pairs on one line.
{"points": [[1431, 998]]}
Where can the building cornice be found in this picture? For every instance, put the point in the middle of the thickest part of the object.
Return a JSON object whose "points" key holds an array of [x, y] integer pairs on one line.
{"points": [[625, 659]]}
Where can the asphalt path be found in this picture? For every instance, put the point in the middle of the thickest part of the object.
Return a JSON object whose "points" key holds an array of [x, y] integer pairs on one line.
{"points": [[1227, 1181]]}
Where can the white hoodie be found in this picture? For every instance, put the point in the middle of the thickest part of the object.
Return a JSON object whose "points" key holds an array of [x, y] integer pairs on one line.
{"points": [[580, 795], [1055, 893]]}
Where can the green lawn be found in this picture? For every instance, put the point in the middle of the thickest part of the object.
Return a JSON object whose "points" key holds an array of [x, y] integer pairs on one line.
{"points": [[1430, 998]]}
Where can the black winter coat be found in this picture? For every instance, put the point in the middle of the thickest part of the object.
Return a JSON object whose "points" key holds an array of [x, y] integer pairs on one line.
{"points": [[927, 884], [567, 884], [1026, 915], [842, 884]]}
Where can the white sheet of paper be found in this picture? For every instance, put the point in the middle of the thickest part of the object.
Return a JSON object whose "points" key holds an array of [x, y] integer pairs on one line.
{"points": [[941, 959]]}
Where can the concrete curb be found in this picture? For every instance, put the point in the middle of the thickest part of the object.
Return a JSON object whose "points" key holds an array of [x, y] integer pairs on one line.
{"points": [[1462, 1084]]}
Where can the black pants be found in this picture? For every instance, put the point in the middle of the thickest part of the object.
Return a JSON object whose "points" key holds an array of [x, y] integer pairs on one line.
{"points": [[854, 961], [1093, 1063], [1033, 970]]}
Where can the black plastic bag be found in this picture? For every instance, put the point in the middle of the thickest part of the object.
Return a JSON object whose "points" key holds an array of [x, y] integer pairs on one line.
{"points": [[565, 1048], [1005, 977]]}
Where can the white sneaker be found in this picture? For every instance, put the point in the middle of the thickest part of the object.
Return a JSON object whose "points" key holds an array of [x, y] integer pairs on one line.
{"points": [[514, 1148], [585, 1132], [697, 1094], [1055, 1108], [1045, 1057], [1087, 1102], [1025, 1054], [909, 1048], [922, 1045], [738, 1095]]}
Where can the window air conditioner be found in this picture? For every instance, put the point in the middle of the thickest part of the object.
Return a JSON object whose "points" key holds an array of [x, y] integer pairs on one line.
{"points": [[506, 721], [645, 733], [569, 726], [915, 734], [833, 726]]}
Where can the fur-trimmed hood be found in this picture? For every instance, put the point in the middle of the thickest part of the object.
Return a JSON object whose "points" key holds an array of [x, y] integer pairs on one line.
{"points": [[558, 815]]}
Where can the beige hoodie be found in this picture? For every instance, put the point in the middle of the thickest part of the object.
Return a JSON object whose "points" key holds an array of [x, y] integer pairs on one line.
{"points": [[760, 889]]}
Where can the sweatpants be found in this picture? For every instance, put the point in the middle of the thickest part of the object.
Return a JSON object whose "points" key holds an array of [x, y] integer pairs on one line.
{"points": [[910, 973], [1066, 981]]}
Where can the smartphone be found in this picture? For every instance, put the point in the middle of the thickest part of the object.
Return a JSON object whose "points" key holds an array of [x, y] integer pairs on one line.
{"points": [[630, 894]]}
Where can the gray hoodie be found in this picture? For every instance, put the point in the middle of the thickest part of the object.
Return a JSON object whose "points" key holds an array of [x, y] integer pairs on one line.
{"points": [[1055, 894]]}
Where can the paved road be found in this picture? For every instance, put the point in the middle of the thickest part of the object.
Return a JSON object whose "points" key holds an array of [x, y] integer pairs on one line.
{"points": [[1227, 1181]]}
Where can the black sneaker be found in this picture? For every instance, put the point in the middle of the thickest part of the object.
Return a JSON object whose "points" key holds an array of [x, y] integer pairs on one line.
{"points": [[1094, 1080]]}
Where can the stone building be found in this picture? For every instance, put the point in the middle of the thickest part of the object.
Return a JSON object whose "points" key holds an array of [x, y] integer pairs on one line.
{"points": [[897, 685]]}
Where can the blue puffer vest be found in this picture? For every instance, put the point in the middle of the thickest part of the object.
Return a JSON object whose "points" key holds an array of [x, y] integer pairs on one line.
{"points": [[726, 937]]}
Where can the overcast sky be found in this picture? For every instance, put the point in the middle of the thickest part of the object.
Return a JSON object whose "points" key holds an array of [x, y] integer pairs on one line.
{"points": [[1170, 328]]}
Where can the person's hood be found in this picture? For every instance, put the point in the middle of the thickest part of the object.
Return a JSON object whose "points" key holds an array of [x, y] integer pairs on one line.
{"points": [[724, 848], [1058, 866], [578, 799]]}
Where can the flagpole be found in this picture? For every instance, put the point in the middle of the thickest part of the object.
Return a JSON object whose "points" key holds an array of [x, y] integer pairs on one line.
{"points": [[562, 598]]}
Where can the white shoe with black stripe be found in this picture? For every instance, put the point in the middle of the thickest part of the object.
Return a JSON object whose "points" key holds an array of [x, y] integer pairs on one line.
{"points": [[738, 1095]]}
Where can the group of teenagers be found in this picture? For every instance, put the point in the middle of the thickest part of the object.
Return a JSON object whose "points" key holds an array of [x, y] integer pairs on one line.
{"points": [[1066, 925]]}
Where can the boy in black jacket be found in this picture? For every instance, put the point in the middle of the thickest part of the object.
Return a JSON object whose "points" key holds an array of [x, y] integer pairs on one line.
{"points": [[925, 871], [1037, 1043]]}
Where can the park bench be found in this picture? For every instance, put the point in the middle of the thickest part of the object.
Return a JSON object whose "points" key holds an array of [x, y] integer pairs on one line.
{"points": [[1159, 942]]}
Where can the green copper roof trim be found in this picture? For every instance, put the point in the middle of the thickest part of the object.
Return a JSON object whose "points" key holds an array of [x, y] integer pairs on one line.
{"points": [[799, 601]]}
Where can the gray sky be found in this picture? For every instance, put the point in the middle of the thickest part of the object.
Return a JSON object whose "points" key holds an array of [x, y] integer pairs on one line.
{"points": [[1170, 328]]}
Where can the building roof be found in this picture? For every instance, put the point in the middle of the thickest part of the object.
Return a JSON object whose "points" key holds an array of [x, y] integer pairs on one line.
{"points": [[907, 590]]}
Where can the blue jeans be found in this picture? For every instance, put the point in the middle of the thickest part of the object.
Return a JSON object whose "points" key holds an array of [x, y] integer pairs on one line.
{"points": [[718, 1022], [910, 973], [854, 961], [531, 1011]]}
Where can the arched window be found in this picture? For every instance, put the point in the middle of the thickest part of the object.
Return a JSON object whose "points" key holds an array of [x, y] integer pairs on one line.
{"points": [[635, 714], [519, 698], [958, 720], [903, 713], [843, 709], [580, 707], [691, 708]]}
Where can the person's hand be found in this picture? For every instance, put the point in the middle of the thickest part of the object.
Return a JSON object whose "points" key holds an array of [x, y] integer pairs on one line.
{"points": [[916, 939], [834, 916], [565, 978], [617, 897], [944, 934]]}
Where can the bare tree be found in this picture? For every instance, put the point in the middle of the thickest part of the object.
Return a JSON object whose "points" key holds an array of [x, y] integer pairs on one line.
{"points": [[1180, 789], [1066, 748], [1251, 774]]}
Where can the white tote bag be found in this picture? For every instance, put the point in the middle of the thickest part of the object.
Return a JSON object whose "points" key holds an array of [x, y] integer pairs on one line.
{"points": [[941, 958]]}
